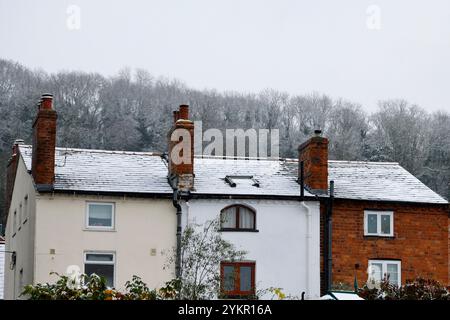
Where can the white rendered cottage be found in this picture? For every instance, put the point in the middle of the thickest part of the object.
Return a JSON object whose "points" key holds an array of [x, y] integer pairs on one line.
{"points": [[114, 213]]}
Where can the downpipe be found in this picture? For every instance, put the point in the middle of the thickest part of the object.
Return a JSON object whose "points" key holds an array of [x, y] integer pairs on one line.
{"points": [[176, 204], [308, 237]]}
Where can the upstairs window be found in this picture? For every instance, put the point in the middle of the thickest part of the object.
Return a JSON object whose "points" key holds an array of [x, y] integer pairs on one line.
{"points": [[100, 215], [379, 223], [238, 218], [237, 279]]}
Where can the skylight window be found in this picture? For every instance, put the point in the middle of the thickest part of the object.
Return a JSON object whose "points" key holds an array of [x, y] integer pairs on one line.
{"points": [[242, 181]]}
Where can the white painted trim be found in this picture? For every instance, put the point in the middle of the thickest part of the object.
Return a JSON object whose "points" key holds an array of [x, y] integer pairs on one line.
{"points": [[100, 228], [379, 214]]}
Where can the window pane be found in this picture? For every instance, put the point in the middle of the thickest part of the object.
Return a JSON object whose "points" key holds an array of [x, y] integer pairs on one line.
{"points": [[375, 272], [246, 220], [99, 257], [246, 278], [392, 273], [371, 223], [385, 224], [228, 218], [103, 270], [228, 278], [100, 215]]}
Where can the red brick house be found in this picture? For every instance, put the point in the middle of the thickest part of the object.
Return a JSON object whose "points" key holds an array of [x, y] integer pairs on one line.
{"points": [[382, 220]]}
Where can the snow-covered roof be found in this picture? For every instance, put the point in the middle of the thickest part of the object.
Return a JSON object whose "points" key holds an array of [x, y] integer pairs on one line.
{"points": [[384, 181], [146, 173], [274, 177], [106, 171]]}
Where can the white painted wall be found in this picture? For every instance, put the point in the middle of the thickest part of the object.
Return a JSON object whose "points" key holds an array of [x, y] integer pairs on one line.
{"points": [[283, 259], [58, 222], [140, 226], [20, 237], [2, 269]]}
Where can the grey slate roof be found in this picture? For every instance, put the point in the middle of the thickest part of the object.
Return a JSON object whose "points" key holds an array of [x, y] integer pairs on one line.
{"points": [[106, 171], [275, 177], [143, 172], [385, 181]]}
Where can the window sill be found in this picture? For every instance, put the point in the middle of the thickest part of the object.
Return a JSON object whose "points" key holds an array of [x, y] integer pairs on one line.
{"points": [[238, 296], [374, 237], [238, 230], [99, 230]]}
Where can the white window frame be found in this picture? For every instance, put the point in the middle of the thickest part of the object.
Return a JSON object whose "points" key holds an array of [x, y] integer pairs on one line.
{"points": [[113, 216], [113, 262], [379, 214], [384, 264]]}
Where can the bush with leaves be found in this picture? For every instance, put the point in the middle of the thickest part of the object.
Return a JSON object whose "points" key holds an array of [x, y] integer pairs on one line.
{"points": [[417, 289], [94, 287]]}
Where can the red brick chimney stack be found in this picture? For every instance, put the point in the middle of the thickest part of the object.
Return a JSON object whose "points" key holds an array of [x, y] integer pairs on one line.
{"points": [[44, 142], [314, 153], [181, 173]]}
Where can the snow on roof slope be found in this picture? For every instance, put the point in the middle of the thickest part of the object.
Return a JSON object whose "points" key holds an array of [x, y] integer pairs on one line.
{"points": [[386, 181], [144, 172], [106, 171], [274, 176]]}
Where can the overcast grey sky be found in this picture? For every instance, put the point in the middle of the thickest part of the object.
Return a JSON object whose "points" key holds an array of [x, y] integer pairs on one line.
{"points": [[356, 49]]}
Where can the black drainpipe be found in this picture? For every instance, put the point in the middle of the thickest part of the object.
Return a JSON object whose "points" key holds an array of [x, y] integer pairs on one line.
{"points": [[176, 204], [329, 232]]}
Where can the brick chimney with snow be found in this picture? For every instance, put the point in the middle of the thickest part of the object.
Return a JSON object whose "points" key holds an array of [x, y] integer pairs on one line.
{"points": [[44, 141], [314, 154], [181, 150]]}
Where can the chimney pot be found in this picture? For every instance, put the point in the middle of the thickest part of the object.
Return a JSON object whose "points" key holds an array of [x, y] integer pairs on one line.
{"points": [[318, 133], [46, 101], [184, 112], [18, 142]]}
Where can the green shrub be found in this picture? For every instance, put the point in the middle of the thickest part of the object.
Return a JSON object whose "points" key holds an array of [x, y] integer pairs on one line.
{"points": [[417, 289]]}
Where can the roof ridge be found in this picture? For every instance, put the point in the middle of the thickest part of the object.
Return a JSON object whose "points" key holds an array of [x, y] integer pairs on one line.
{"points": [[200, 156], [365, 162], [150, 153]]}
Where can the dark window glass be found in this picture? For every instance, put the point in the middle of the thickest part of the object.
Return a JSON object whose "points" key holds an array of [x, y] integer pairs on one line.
{"points": [[246, 278], [372, 223], [103, 270], [97, 257], [385, 224], [228, 278], [100, 215]]}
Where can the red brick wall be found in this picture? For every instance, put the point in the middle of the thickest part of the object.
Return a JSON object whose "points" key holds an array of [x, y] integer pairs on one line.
{"points": [[44, 140], [314, 154], [182, 168], [420, 241]]}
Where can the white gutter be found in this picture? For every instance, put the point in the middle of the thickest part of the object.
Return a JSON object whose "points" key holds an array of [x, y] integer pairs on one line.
{"points": [[308, 250]]}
